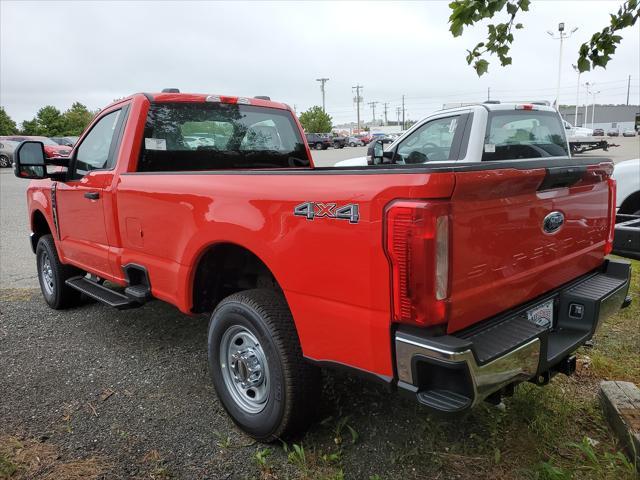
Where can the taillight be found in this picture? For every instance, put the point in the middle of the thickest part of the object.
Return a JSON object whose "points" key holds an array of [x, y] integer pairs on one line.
{"points": [[608, 246], [417, 245], [227, 99]]}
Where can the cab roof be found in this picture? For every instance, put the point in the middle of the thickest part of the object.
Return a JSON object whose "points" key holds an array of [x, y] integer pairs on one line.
{"points": [[173, 96]]}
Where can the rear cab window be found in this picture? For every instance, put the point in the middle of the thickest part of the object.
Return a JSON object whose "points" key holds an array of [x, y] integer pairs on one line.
{"points": [[192, 136], [520, 134]]}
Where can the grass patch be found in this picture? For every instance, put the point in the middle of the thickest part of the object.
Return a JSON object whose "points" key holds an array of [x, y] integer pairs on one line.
{"points": [[29, 459]]}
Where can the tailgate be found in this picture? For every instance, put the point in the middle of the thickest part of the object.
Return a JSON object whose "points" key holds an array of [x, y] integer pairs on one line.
{"points": [[517, 234]]}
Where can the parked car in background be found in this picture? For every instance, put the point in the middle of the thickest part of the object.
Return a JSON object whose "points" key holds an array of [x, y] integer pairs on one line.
{"points": [[65, 141], [318, 141], [365, 138], [613, 133], [7, 147], [626, 242], [572, 131], [598, 132], [355, 142], [629, 133], [339, 141], [627, 175], [51, 148]]}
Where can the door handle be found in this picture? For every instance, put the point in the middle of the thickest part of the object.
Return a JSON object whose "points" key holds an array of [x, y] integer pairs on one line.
{"points": [[92, 195]]}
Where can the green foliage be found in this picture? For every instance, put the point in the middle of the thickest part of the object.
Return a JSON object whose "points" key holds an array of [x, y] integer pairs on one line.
{"points": [[76, 119], [315, 120], [49, 122], [261, 458], [7, 125], [597, 52]]}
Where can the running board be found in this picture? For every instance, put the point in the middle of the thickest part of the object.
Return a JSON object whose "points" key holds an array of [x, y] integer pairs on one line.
{"points": [[106, 295]]}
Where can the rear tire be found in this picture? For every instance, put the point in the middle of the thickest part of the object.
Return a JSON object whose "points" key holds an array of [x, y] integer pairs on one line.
{"points": [[4, 161], [257, 367], [52, 274]]}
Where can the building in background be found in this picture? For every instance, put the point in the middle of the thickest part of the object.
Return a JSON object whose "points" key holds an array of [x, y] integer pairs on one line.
{"points": [[607, 117]]}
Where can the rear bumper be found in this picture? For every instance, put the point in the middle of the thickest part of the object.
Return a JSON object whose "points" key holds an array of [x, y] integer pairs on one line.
{"points": [[453, 372]]}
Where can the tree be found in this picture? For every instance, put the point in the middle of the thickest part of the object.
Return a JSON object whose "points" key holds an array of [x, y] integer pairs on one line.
{"points": [[76, 119], [7, 125], [30, 127], [315, 120], [595, 53]]}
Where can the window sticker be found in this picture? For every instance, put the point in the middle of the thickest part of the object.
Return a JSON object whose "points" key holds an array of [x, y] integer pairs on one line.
{"points": [[490, 147], [155, 144]]}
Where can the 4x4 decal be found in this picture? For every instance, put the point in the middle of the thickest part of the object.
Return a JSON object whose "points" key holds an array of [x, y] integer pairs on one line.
{"points": [[311, 210]]}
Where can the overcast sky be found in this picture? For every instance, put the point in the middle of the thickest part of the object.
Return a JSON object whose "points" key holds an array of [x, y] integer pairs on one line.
{"points": [[57, 53]]}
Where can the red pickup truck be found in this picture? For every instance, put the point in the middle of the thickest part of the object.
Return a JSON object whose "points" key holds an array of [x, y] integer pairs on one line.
{"points": [[467, 257]]}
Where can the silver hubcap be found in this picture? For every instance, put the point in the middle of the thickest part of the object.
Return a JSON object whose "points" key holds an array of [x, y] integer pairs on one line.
{"points": [[46, 272], [244, 369]]}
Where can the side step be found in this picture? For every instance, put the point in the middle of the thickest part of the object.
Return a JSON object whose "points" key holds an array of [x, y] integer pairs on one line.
{"points": [[108, 296], [444, 400]]}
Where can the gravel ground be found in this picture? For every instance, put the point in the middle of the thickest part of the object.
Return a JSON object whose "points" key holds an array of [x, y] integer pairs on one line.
{"points": [[127, 385]]}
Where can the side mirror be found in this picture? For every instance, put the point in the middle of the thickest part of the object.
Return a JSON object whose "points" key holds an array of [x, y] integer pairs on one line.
{"points": [[376, 154], [29, 160]]}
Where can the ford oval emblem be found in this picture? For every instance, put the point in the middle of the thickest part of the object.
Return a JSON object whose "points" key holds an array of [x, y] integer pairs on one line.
{"points": [[552, 222]]}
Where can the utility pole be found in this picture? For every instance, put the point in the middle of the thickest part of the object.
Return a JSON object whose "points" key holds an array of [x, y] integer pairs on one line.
{"points": [[295, 110], [488, 94], [575, 119], [628, 88], [373, 109], [402, 112], [561, 36], [322, 82], [358, 99], [385, 104], [398, 117]]}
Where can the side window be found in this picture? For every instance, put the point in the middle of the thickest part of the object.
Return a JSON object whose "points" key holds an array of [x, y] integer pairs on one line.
{"points": [[94, 152], [432, 142]]}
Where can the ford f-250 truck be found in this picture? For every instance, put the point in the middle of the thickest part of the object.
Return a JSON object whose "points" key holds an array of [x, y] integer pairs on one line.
{"points": [[468, 257]]}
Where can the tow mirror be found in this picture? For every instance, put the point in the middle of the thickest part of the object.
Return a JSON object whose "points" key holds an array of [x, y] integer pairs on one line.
{"points": [[376, 153], [29, 160]]}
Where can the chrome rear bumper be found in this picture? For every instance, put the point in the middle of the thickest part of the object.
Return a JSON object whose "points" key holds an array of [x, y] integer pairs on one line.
{"points": [[454, 372]]}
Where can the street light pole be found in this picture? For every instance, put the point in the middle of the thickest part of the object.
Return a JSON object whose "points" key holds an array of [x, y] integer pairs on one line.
{"points": [[586, 105], [561, 36], [575, 119], [593, 108]]}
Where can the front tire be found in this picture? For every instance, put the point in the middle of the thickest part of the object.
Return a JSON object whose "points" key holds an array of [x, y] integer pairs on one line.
{"points": [[256, 364], [4, 161], [318, 146], [52, 275]]}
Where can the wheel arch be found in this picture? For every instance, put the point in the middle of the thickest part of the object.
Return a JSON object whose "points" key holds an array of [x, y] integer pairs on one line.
{"points": [[39, 227], [631, 204], [224, 268]]}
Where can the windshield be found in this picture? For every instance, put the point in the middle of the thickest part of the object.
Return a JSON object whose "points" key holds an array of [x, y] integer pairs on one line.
{"points": [[215, 136], [522, 134]]}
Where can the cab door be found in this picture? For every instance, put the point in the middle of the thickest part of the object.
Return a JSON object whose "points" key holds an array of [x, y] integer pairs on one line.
{"points": [[79, 201]]}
